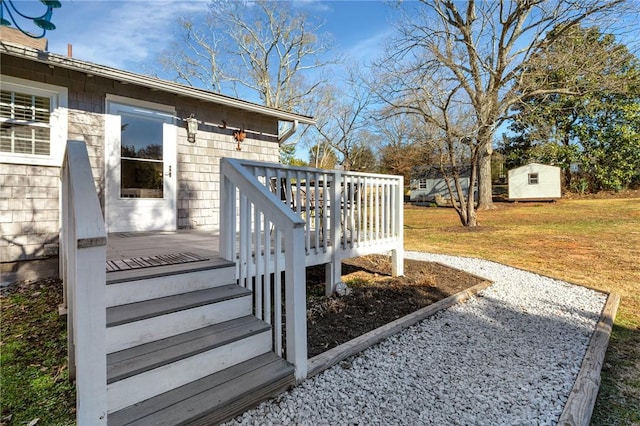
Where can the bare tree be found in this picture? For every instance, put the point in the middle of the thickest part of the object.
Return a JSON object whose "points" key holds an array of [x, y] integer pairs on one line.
{"points": [[404, 145], [444, 124], [265, 47], [481, 47], [342, 115], [322, 156]]}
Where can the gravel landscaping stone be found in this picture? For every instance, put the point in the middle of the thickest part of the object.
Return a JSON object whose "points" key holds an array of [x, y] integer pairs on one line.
{"points": [[507, 356]]}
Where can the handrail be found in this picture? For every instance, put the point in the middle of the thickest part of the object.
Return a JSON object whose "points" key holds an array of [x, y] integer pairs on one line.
{"points": [[346, 214], [83, 240], [271, 241], [277, 218], [251, 163]]}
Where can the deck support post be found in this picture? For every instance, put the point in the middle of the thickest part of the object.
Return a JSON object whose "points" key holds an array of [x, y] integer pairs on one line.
{"points": [[296, 301], [333, 271], [90, 349], [397, 255]]}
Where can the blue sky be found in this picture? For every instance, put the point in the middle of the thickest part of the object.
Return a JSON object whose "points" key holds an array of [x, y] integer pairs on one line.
{"points": [[129, 34]]}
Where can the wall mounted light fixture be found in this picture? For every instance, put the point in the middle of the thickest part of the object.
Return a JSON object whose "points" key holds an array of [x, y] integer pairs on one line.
{"points": [[239, 136], [192, 128]]}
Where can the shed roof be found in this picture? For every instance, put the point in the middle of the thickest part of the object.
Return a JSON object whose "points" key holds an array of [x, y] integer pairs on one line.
{"points": [[90, 68], [436, 172], [535, 165]]}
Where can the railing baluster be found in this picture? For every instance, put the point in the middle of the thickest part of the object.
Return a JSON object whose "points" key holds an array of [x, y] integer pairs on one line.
{"points": [[361, 190], [298, 195], [267, 269], [277, 294], [307, 204], [259, 274], [367, 209], [243, 240]]}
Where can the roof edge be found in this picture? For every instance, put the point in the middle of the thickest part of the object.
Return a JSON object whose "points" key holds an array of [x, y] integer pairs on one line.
{"points": [[129, 77]]}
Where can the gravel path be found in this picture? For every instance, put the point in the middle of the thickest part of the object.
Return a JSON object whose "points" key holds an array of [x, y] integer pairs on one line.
{"points": [[508, 356]]}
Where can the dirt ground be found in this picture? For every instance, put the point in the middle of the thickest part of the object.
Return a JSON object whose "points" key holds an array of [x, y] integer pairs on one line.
{"points": [[376, 298]]}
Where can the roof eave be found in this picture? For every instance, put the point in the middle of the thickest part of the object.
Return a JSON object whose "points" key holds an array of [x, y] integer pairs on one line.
{"points": [[127, 77]]}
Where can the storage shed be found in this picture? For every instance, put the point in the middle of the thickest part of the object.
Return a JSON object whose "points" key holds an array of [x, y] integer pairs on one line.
{"points": [[534, 182], [429, 181]]}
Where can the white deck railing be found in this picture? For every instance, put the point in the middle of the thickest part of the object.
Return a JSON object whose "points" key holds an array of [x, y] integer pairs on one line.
{"points": [[346, 214], [83, 251], [266, 239], [278, 219]]}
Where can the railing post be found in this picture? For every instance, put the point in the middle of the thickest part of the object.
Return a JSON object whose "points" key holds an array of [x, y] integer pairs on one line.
{"points": [[227, 215], [84, 255], [296, 301], [333, 271], [90, 316], [397, 256]]}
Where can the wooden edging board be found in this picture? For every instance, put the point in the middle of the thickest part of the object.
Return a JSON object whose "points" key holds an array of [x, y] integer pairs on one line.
{"points": [[579, 407], [327, 359]]}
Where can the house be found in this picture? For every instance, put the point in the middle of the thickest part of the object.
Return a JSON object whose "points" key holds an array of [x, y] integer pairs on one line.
{"points": [[150, 175], [534, 182], [90, 156], [429, 182]]}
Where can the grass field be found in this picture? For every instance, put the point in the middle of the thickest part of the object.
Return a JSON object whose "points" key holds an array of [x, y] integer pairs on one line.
{"points": [[591, 242]]}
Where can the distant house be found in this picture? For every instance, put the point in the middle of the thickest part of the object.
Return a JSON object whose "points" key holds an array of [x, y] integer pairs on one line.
{"points": [[427, 182], [534, 182]]}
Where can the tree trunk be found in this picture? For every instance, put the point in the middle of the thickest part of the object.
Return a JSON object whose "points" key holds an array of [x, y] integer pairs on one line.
{"points": [[485, 190], [472, 219]]}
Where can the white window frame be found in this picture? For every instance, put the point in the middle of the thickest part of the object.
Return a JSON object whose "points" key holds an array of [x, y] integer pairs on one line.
{"points": [[533, 178], [58, 121], [422, 183]]}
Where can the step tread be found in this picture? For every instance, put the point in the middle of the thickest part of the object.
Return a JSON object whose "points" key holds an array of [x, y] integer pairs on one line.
{"points": [[214, 398], [116, 277], [138, 359], [123, 314]]}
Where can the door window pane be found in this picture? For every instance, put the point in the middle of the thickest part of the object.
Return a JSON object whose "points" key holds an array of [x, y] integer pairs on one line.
{"points": [[141, 158]]}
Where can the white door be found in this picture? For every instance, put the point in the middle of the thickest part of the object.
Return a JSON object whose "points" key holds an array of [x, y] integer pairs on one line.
{"points": [[140, 167]]}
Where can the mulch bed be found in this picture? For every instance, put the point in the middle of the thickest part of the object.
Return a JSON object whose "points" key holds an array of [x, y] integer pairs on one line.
{"points": [[376, 297]]}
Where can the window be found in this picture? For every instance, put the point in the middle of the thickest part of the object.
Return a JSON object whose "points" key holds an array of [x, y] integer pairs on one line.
{"points": [[422, 183], [25, 123], [533, 178], [33, 125]]}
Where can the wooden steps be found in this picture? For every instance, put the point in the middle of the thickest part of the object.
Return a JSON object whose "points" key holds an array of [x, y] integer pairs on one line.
{"points": [[136, 285], [131, 312], [214, 398], [137, 360], [183, 345]]}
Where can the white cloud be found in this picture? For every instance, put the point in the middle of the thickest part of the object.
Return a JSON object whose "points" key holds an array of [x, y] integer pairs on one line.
{"points": [[369, 48], [122, 34]]}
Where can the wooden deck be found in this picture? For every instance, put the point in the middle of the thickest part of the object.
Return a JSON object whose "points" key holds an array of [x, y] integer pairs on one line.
{"points": [[128, 245]]}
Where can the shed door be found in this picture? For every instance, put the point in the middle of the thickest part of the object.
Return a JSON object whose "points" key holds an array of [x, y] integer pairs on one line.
{"points": [[140, 168]]}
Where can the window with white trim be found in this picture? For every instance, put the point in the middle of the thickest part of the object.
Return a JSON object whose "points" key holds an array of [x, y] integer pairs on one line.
{"points": [[533, 178], [33, 122], [422, 183], [26, 127]]}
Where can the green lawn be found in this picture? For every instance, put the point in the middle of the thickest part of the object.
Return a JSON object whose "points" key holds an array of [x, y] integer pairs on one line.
{"points": [[591, 242], [33, 357]]}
